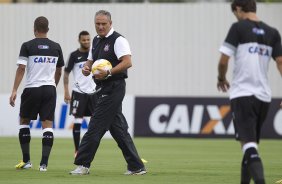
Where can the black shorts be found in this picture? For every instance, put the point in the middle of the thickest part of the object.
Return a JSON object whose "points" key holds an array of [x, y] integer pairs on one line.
{"points": [[82, 104], [38, 100], [248, 114]]}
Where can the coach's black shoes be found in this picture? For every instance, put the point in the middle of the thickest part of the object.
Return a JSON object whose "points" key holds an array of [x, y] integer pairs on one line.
{"points": [[141, 171]]}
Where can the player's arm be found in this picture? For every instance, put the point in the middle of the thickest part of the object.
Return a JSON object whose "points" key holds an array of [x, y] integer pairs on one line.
{"points": [[67, 96], [68, 68], [279, 67], [222, 83], [125, 63], [86, 70], [279, 64], [227, 50], [277, 53], [59, 66], [18, 78], [123, 53], [58, 74]]}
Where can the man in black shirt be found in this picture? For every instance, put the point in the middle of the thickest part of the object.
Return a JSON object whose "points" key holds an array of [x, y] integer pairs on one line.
{"points": [[113, 47], [252, 43], [43, 60]]}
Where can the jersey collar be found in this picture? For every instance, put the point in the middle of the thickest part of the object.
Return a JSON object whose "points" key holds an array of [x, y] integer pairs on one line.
{"points": [[109, 33]]}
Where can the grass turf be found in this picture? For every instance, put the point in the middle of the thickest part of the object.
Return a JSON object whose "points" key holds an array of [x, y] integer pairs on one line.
{"points": [[170, 160]]}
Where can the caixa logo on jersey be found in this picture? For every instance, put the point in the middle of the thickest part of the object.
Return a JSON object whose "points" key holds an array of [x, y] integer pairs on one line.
{"points": [[184, 117], [44, 59], [261, 50]]}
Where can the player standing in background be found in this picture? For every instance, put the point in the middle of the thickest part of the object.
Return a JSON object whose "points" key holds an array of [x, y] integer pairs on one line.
{"points": [[81, 104], [109, 45], [252, 43], [43, 60]]}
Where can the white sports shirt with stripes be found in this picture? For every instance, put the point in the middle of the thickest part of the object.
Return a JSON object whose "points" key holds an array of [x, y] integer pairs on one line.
{"points": [[252, 44]]}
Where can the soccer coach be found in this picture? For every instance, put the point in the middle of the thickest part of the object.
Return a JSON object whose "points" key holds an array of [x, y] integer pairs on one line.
{"points": [[107, 115]]}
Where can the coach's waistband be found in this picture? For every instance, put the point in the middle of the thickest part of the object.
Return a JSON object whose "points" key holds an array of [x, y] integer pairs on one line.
{"points": [[101, 82]]}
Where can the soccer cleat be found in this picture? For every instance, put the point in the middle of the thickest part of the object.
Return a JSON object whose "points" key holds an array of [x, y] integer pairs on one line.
{"points": [[23, 165], [141, 171], [80, 170], [43, 168]]}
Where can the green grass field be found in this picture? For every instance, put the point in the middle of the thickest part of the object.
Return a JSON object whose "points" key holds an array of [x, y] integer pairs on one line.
{"points": [[170, 160]]}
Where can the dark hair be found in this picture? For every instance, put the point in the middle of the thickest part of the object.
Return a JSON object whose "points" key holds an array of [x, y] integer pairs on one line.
{"points": [[104, 12], [83, 33], [41, 24], [246, 5]]}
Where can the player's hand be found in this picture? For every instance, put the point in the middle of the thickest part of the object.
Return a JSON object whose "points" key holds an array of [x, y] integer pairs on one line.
{"points": [[86, 70], [13, 98], [101, 74], [223, 85], [67, 98]]}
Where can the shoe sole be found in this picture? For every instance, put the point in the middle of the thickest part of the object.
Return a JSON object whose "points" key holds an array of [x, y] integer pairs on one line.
{"points": [[76, 173], [25, 167], [79, 173], [138, 173]]}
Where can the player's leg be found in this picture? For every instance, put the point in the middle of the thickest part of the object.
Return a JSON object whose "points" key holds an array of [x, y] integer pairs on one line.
{"points": [[47, 143], [88, 146], [77, 109], [253, 162], [47, 111], [103, 116], [119, 131], [24, 139], [76, 130], [245, 175], [247, 118], [250, 149], [28, 110], [85, 107], [98, 125]]}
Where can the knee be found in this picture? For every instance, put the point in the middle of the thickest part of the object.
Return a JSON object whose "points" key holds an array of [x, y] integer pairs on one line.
{"points": [[24, 121]]}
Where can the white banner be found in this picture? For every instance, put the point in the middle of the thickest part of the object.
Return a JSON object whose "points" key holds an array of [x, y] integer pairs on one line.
{"points": [[9, 118]]}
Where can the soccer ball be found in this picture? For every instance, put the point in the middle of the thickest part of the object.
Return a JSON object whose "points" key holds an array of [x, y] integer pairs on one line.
{"points": [[101, 64]]}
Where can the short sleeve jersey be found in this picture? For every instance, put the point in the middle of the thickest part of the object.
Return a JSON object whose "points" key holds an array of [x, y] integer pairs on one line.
{"points": [[75, 64], [41, 57], [252, 44]]}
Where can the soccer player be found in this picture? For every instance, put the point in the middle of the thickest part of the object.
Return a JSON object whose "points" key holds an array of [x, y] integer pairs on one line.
{"points": [[107, 115], [81, 103], [43, 60], [252, 43]]}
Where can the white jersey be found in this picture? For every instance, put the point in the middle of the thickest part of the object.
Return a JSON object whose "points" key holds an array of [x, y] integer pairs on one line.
{"points": [[252, 44], [41, 57], [75, 63]]}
